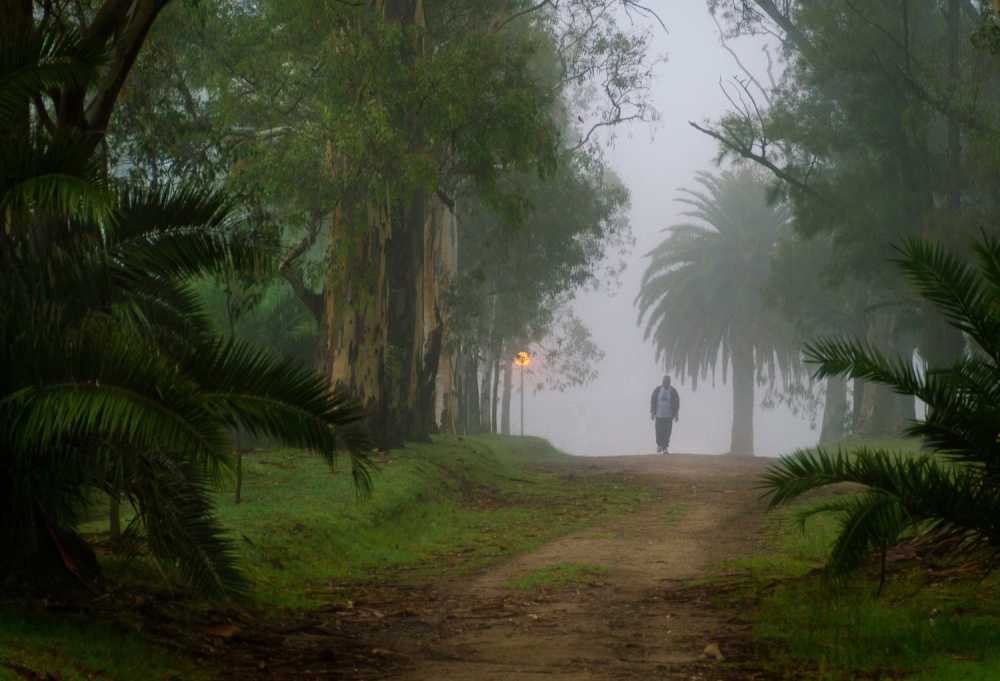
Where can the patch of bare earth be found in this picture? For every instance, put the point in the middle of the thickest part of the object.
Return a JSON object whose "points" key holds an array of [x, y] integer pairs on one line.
{"points": [[639, 620]]}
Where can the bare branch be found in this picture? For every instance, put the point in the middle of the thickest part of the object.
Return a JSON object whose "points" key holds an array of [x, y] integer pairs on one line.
{"points": [[751, 155]]}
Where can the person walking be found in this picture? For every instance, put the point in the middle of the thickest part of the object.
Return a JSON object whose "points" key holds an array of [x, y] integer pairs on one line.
{"points": [[664, 409]]}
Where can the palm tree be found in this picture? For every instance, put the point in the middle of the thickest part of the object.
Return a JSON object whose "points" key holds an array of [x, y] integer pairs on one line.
{"points": [[950, 494], [111, 377], [701, 295]]}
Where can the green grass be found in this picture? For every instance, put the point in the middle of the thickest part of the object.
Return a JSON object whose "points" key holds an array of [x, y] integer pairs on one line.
{"points": [[437, 511], [564, 575], [673, 512], [73, 648], [920, 627]]}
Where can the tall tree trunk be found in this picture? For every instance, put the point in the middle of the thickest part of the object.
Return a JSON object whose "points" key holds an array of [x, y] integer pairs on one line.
{"points": [[495, 401], [861, 386], [353, 322], [881, 410], [473, 422], [952, 14], [508, 384], [485, 425], [440, 261], [834, 410], [446, 269], [405, 259], [741, 442], [906, 405]]}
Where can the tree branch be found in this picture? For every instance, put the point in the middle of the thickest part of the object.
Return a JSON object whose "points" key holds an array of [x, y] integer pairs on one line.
{"points": [[792, 32], [312, 300], [128, 22], [749, 154]]}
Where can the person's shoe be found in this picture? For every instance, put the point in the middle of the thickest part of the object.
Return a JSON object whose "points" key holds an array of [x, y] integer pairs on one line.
{"points": [[659, 449], [665, 451]]}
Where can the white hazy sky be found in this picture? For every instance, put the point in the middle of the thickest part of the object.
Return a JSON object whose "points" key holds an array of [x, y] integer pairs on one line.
{"points": [[611, 415]]}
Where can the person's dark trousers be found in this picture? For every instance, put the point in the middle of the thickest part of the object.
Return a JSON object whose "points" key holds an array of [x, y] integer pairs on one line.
{"points": [[663, 429]]}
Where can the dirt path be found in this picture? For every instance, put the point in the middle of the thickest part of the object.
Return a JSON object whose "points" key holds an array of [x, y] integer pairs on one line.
{"points": [[641, 620]]}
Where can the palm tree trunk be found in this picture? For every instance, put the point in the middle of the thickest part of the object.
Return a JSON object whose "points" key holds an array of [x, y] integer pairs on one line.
{"points": [[741, 442]]}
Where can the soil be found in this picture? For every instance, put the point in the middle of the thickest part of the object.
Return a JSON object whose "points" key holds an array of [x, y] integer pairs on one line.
{"points": [[646, 617]]}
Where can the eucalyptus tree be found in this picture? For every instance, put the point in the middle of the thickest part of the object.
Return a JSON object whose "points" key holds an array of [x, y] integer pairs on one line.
{"points": [[700, 295], [365, 129], [806, 286], [111, 378]]}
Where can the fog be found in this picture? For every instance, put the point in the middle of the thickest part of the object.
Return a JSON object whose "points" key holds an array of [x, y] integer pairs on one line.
{"points": [[611, 415]]}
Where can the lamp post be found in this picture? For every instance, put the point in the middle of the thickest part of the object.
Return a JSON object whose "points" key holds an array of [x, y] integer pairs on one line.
{"points": [[522, 360]]}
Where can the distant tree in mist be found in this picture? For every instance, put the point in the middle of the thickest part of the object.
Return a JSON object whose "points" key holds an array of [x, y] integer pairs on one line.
{"points": [[879, 126], [700, 295]]}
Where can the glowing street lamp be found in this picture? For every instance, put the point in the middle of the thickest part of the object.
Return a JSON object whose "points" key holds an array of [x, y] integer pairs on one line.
{"points": [[522, 360]]}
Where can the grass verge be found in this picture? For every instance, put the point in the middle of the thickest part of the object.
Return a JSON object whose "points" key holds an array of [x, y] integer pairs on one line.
{"points": [[437, 511], [927, 624]]}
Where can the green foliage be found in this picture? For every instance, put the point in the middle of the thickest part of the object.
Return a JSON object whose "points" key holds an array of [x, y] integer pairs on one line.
{"points": [[950, 495], [111, 378], [948, 631], [518, 275], [564, 575], [273, 319], [340, 110], [881, 126], [916, 624]]}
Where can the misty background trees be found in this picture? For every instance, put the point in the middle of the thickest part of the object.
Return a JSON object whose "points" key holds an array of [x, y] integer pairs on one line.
{"points": [[873, 123]]}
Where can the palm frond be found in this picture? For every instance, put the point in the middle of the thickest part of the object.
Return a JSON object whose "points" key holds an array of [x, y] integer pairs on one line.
{"points": [[38, 61], [268, 394], [957, 290], [57, 177], [181, 530]]}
